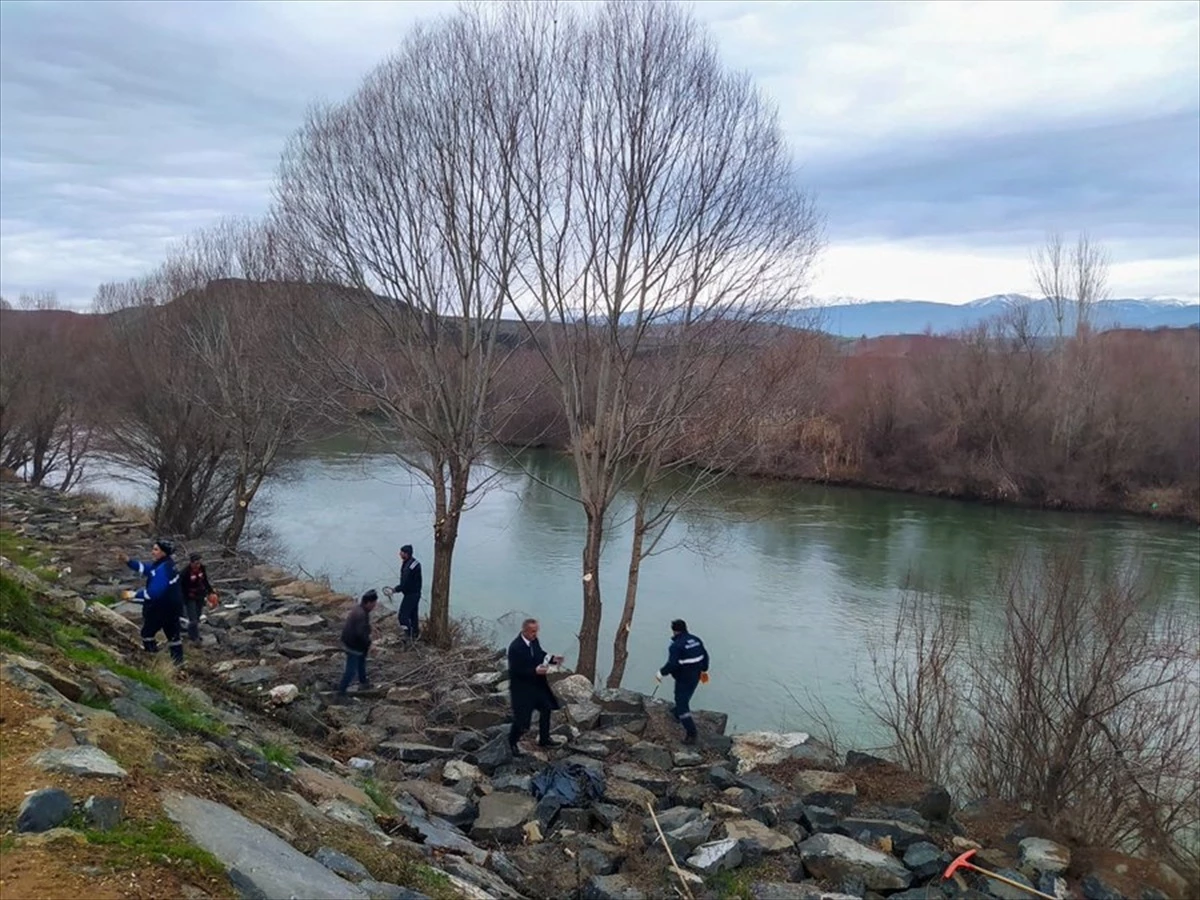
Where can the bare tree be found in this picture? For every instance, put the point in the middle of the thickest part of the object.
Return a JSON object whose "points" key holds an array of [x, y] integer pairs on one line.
{"points": [[42, 300], [153, 423], [46, 421], [1071, 279], [663, 222], [248, 361], [401, 196]]}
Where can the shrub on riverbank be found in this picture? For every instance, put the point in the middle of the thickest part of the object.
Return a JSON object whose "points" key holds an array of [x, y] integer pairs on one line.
{"points": [[1084, 711]]}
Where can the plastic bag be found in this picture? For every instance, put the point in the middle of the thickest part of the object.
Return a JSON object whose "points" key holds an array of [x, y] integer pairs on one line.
{"points": [[568, 784]]}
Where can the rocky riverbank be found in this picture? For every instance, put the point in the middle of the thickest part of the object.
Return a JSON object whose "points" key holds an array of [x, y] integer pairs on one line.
{"points": [[244, 772]]}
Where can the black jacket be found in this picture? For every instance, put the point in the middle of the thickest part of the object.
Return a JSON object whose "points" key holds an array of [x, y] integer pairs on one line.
{"points": [[527, 687], [686, 657], [410, 579], [195, 584], [356, 633]]}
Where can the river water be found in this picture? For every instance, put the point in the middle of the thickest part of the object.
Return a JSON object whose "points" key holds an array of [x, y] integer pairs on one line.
{"points": [[786, 584]]}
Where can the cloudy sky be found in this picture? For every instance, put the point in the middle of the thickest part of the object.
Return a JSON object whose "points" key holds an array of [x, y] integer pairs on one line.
{"points": [[943, 139]]}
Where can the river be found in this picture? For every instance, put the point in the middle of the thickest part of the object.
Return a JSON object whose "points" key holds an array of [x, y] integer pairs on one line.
{"points": [[785, 583]]}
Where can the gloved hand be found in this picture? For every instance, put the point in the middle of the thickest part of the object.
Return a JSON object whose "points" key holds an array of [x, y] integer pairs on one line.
{"points": [[387, 592], [126, 595], [658, 677], [704, 678], [212, 600]]}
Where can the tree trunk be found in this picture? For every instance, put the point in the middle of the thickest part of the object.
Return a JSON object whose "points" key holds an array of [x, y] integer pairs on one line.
{"points": [[589, 630], [621, 638], [448, 507]]}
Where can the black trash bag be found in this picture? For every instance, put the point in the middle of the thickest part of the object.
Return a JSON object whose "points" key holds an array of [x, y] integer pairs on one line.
{"points": [[568, 784]]}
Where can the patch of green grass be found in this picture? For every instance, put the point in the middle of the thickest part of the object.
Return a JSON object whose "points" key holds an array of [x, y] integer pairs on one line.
{"points": [[180, 715], [734, 884], [149, 679], [77, 644], [134, 843], [107, 601], [25, 553], [435, 884], [20, 614], [280, 755], [10, 641], [372, 789]]}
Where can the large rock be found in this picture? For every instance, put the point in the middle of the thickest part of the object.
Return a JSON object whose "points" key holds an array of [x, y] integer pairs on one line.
{"points": [[653, 755], [492, 755], [262, 620], [385, 890], [262, 862], [715, 856], [302, 623], [833, 790], [103, 813], [317, 786], [439, 835], [252, 675], [755, 836], [779, 890], [441, 801], [837, 859], [340, 863], [43, 810], [126, 709], [86, 761], [627, 793], [406, 751], [610, 887], [657, 782], [574, 689], [926, 860], [307, 647], [584, 715], [501, 817], [765, 748], [1044, 856], [619, 700], [64, 684], [491, 884], [870, 831]]}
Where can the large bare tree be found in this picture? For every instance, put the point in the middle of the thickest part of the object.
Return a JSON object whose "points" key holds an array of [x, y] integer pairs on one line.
{"points": [[248, 360], [401, 196], [1073, 279], [665, 233]]}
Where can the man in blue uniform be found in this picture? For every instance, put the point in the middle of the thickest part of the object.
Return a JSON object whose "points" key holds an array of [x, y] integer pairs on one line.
{"points": [[161, 599], [409, 590], [687, 663]]}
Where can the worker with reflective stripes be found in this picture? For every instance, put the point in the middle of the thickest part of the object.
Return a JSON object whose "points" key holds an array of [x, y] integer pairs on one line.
{"points": [[161, 599], [687, 663]]}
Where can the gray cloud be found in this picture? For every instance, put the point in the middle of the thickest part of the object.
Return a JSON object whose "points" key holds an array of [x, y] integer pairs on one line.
{"points": [[123, 126]]}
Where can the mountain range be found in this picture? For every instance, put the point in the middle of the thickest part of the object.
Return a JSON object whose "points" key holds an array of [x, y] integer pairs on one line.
{"points": [[877, 318]]}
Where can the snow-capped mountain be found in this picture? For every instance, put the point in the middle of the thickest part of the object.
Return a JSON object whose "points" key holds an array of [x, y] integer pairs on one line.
{"points": [[880, 317]]}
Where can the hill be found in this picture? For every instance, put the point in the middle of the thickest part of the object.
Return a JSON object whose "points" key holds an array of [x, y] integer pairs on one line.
{"points": [[879, 318]]}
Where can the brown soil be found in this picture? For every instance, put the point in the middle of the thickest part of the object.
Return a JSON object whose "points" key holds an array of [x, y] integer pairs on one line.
{"points": [[69, 866]]}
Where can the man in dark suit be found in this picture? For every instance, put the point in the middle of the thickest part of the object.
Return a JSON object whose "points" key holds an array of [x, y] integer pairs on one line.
{"points": [[528, 664]]}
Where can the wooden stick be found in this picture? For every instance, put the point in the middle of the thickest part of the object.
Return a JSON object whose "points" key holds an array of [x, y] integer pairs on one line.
{"points": [[671, 856], [1010, 882]]}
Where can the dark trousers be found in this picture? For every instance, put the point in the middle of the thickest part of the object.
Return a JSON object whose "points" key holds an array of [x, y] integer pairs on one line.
{"points": [[356, 666], [409, 615], [163, 616], [685, 685], [523, 718], [193, 608]]}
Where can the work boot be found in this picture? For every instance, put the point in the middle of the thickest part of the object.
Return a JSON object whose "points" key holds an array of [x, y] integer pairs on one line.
{"points": [[516, 751], [690, 738]]}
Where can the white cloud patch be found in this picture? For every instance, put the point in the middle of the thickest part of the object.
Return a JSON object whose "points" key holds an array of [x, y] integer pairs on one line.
{"points": [[942, 138]]}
